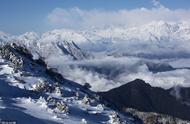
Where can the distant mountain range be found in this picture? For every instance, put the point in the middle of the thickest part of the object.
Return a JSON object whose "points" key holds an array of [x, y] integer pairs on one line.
{"points": [[156, 39]]}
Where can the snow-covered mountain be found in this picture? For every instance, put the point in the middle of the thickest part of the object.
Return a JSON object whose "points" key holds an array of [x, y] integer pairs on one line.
{"points": [[50, 45], [153, 38], [37, 68]]}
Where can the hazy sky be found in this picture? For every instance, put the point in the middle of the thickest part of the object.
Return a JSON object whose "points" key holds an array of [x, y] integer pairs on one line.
{"points": [[19, 16]]}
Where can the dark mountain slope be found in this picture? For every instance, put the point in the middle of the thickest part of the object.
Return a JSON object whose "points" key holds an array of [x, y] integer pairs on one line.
{"points": [[140, 95]]}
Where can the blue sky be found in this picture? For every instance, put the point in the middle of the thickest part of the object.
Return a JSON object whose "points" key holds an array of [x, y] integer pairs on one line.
{"points": [[19, 16]]}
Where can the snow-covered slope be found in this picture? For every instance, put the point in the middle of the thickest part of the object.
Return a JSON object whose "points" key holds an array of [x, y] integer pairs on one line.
{"points": [[32, 93]]}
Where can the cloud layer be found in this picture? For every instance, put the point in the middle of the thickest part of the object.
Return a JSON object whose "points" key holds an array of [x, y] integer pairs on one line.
{"points": [[108, 72], [79, 18]]}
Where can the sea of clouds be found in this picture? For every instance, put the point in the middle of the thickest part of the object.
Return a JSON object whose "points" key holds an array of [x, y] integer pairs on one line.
{"points": [[109, 72]]}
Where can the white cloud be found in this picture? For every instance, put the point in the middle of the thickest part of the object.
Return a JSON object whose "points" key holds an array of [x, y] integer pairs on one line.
{"points": [[79, 18], [156, 3]]}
